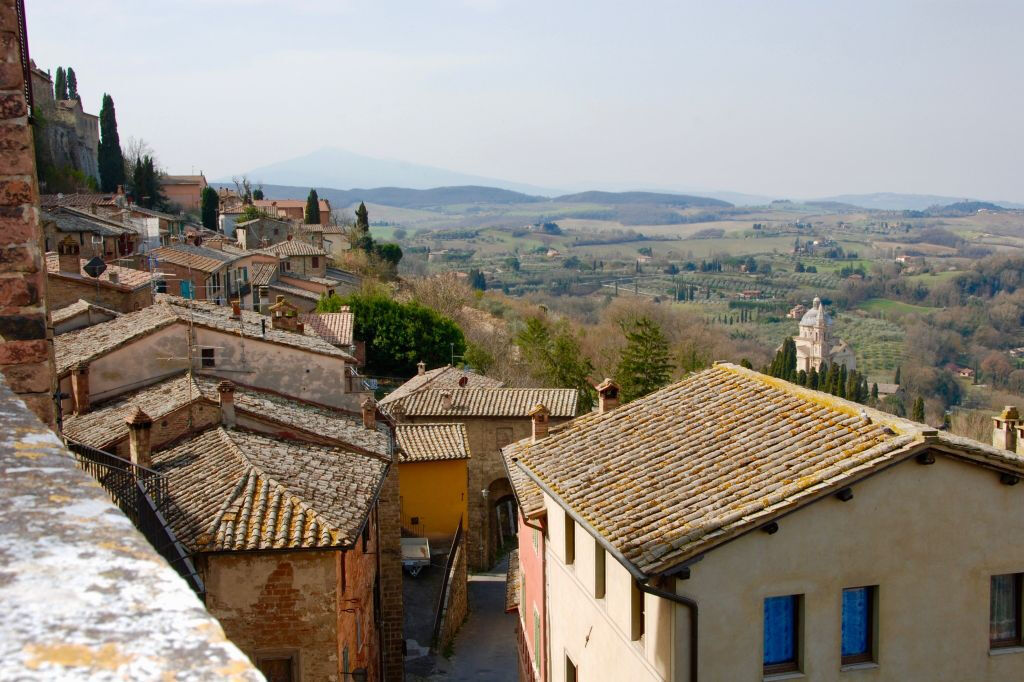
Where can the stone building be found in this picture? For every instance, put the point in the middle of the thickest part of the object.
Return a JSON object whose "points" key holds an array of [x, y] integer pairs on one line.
{"points": [[815, 344], [117, 288], [293, 209], [696, 534], [70, 136]]}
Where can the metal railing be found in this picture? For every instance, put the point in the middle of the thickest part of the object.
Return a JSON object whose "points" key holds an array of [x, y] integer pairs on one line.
{"points": [[442, 597], [142, 495]]}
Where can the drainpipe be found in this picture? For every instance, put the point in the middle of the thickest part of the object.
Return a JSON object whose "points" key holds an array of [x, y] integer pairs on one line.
{"points": [[691, 606], [546, 673]]}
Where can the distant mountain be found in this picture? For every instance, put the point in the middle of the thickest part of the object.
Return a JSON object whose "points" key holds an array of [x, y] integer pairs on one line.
{"points": [[889, 201], [332, 167], [399, 196], [650, 198]]}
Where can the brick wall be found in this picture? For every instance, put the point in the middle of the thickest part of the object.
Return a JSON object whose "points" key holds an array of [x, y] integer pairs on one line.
{"points": [[62, 291], [392, 616], [26, 346], [457, 606]]}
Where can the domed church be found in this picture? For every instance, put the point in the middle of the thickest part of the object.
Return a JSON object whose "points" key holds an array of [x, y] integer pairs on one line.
{"points": [[815, 344]]}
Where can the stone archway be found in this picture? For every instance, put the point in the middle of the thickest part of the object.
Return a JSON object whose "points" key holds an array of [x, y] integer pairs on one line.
{"points": [[501, 519]]}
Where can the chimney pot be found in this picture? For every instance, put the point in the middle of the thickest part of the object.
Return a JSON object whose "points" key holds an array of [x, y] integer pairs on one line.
{"points": [[421, 368], [1004, 429], [540, 414], [140, 428], [369, 408], [607, 396], [113, 277], [446, 400], [226, 393], [80, 388], [236, 309]]}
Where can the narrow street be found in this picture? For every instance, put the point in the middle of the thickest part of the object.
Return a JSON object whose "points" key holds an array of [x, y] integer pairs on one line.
{"points": [[485, 647]]}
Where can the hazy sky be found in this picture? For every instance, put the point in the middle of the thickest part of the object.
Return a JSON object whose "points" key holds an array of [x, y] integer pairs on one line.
{"points": [[781, 97]]}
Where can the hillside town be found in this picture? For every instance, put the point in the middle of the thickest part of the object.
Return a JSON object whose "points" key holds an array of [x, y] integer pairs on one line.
{"points": [[242, 443]]}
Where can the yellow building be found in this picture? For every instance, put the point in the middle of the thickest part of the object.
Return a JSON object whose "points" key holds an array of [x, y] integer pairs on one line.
{"points": [[432, 478]]}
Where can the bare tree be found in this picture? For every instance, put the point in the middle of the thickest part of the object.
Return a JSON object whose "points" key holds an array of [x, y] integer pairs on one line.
{"points": [[244, 188], [135, 149]]}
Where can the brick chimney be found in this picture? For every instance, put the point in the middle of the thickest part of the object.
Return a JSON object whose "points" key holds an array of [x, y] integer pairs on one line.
{"points": [[540, 414], [1004, 428], [607, 396], [80, 388], [226, 393], [446, 400], [68, 256], [283, 315], [369, 407], [113, 277], [421, 368], [140, 427], [236, 309]]}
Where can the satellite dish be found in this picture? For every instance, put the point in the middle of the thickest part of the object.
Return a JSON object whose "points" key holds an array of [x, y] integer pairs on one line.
{"points": [[95, 267], [463, 381]]}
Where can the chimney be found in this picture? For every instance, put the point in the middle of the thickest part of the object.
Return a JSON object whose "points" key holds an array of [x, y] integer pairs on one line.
{"points": [[236, 309], [421, 368], [539, 414], [369, 408], [283, 315], [290, 237], [68, 259], [607, 396], [80, 388], [446, 400], [226, 391], [140, 427], [190, 239], [112, 277], [1004, 429]]}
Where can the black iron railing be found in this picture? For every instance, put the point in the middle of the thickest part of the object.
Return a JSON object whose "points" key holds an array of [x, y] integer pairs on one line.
{"points": [[442, 597], [142, 495]]}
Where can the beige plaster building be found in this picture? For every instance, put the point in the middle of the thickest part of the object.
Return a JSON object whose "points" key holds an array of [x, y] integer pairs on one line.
{"points": [[733, 526], [815, 345]]}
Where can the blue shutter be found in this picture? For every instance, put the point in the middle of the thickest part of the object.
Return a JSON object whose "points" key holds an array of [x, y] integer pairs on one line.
{"points": [[779, 630], [856, 629], [186, 289]]}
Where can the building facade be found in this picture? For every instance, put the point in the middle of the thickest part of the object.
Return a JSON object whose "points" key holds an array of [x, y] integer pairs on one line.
{"points": [[815, 344]]}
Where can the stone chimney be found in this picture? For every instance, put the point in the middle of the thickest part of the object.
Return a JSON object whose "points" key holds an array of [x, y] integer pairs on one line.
{"points": [[446, 400], [226, 393], [607, 396], [421, 368], [236, 309], [283, 315], [369, 407], [68, 256], [1004, 428], [140, 427], [540, 414], [113, 277], [80, 388]]}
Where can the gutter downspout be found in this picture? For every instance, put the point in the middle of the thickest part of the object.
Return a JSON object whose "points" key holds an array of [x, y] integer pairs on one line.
{"points": [[691, 606]]}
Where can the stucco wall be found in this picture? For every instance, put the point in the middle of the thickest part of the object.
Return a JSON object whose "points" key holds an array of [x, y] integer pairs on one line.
{"points": [[531, 598], [435, 494]]}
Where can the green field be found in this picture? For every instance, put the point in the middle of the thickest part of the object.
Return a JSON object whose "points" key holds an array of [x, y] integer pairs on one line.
{"points": [[889, 307]]}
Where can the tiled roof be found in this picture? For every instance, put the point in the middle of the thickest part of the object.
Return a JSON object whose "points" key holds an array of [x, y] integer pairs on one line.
{"points": [[333, 229], [84, 345], [128, 278], [441, 377], [529, 496], [239, 490], [344, 276], [432, 442], [726, 450], [200, 258], [294, 291], [83, 200], [325, 281], [69, 220], [293, 247], [104, 423], [488, 402], [182, 179], [288, 203], [309, 227], [261, 274], [79, 307], [334, 328], [512, 583]]}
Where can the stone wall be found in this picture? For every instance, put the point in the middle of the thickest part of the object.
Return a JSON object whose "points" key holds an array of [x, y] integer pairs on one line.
{"points": [[26, 344], [456, 600], [392, 614], [62, 291]]}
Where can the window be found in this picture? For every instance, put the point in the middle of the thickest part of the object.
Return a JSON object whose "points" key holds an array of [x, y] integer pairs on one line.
{"points": [[316, 261], [187, 290], [536, 638], [570, 539], [781, 634], [858, 625], [599, 555], [636, 599], [161, 286], [570, 670], [207, 356], [277, 667], [1004, 611], [288, 265]]}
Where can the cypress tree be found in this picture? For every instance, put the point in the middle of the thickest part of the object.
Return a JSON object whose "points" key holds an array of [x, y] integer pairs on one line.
{"points": [[111, 161], [896, 379], [853, 386], [874, 391], [360, 237], [60, 85], [801, 378], [918, 411], [841, 383], [146, 184], [72, 84], [209, 202], [257, 194], [746, 363], [812, 379], [312, 208], [831, 377]]}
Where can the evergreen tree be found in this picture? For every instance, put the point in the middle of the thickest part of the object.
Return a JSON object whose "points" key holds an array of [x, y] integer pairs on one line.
{"points": [[257, 193], [801, 378], [841, 383], [477, 280], [209, 202], [360, 237], [312, 214], [111, 161], [812, 379], [60, 85], [554, 358], [746, 363], [145, 184], [72, 84], [644, 363], [831, 380], [896, 379], [917, 414], [874, 391], [853, 386]]}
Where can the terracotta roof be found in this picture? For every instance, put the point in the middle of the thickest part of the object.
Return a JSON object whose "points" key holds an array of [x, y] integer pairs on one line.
{"points": [[294, 291], [79, 307], [69, 220], [182, 179], [334, 328], [309, 227], [200, 258], [239, 490], [325, 281], [83, 200], [104, 424], [512, 584], [333, 229], [127, 278], [261, 274], [440, 377], [288, 203], [432, 442], [672, 475], [488, 402], [293, 247], [85, 345], [529, 496]]}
